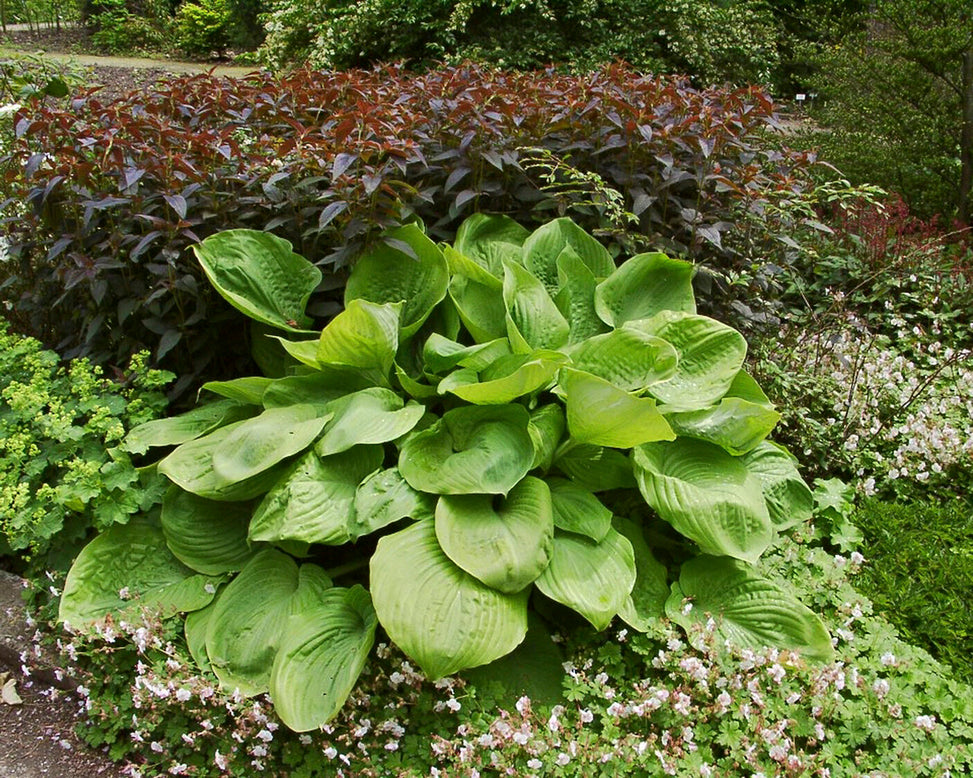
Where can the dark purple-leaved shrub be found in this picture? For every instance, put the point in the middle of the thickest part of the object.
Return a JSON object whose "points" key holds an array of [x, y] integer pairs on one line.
{"points": [[104, 198]]}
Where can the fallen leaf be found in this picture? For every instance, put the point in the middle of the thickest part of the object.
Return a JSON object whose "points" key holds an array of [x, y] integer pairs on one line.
{"points": [[9, 692]]}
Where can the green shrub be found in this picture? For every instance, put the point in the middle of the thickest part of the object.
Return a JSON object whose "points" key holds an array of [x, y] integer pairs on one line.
{"points": [[63, 472], [920, 573], [122, 27], [204, 27], [509, 417], [715, 42]]}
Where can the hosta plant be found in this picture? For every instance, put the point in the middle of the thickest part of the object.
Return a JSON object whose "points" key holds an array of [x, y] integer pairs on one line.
{"points": [[505, 425]]}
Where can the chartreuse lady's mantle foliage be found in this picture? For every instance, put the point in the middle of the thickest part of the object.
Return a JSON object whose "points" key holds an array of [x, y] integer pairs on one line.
{"points": [[505, 422]]}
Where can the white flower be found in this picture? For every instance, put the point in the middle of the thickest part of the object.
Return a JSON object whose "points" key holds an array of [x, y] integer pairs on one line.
{"points": [[562, 758], [523, 705], [925, 723], [888, 659], [586, 716]]}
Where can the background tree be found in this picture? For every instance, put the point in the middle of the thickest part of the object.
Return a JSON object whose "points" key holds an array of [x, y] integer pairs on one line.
{"points": [[898, 102]]}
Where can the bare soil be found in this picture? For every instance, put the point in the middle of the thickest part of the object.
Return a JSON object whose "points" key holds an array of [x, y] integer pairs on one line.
{"points": [[37, 737]]}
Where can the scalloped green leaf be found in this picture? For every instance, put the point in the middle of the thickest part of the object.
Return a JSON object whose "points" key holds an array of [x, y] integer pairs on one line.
{"points": [[710, 357], [591, 578], [789, 499], [750, 611], [471, 450], [601, 413], [373, 415], [386, 274], [315, 502], [132, 559], [363, 337], [257, 444], [577, 510], [384, 498], [545, 245], [707, 495], [504, 543], [735, 424], [643, 286], [260, 275], [193, 424], [647, 602], [206, 535], [320, 657], [439, 615], [626, 358], [533, 319]]}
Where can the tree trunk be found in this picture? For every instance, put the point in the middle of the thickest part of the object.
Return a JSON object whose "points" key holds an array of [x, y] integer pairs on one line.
{"points": [[966, 142]]}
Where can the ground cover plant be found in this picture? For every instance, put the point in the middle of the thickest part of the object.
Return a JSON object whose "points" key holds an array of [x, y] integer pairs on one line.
{"points": [[63, 471], [512, 418], [658, 703], [116, 193], [921, 572]]}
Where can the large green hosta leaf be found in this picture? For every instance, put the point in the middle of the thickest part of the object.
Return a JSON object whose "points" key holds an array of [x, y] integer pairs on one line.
{"points": [[505, 545], [193, 424], [191, 467], [643, 286], [735, 424], [208, 536], [593, 579], [363, 337], [707, 495], [626, 358], [471, 450], [788, 498], [249, 390], [576, 297], [596, 468], [442, 617], [749, 610], [546, 429], [647, 602], [601, 413], [259, 274], [248, 619], [260, 443], [710, 357], [480, 308], [370, 416], [384, 498], [386, 274], [488, 240], [577, 510], [440, 355], [320, 657], [546, 244], [315, 502], [508, 378], [317, 388], [533, 319], [126, 568]]}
